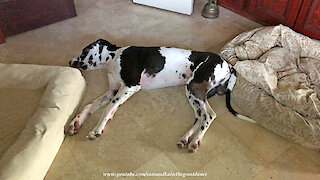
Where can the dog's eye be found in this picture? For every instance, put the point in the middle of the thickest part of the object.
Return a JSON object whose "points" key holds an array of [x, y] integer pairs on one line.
{"points": [[85, 51], [82, 56]]}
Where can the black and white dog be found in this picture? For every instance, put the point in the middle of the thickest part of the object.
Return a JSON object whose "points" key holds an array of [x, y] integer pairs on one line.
{"points": [[133, 68]]}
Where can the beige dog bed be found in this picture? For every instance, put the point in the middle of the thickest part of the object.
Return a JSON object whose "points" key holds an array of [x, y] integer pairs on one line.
{"points": [[278, 81], [35, 103]]}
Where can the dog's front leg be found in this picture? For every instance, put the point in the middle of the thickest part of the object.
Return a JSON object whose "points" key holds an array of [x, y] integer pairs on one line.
{"points": [[77, 122], [107, 97], [123, 94]]}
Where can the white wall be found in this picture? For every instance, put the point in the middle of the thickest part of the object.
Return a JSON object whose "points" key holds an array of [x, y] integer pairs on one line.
{"points": [[180, 6]]}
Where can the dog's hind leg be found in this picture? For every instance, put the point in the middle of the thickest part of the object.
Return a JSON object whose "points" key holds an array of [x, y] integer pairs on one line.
{"points": [[209, 115], [204, 115], [196, 95], [123, 94], [196, 106]]}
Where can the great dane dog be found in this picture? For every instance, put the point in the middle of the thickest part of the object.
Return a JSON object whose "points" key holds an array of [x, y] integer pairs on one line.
{"points": [[132, 68]]}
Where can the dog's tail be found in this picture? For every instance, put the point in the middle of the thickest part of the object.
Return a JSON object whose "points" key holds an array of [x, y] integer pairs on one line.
{"points": [[231, 83]]}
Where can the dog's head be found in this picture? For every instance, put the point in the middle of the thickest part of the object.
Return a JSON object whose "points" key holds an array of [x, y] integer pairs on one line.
{"points": [[94, 56]]}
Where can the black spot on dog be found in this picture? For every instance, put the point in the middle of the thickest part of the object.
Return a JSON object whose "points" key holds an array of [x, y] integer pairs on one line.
{"points": [[75, 63], [115, 92], [205, 117], [188, 87], [94, 64], [125, 93], [100, 57], [202, 127], [199, 112], [112, 55], [135, 60], [184, 75], [90, 58], [113, 101], [100, 49], [85, 52], [117, 99], [210, 116], [207, 123], [197, 102], [195, 121], [176, 71], [85, 67], [90, 62], [189, 97]]}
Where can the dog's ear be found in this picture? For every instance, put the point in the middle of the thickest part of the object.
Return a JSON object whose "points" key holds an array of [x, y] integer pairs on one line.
{"points": [[110, 46], [103, 42]]}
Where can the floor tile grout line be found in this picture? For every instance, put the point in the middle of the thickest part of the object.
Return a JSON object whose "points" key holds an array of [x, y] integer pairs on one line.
{"points": [[160, 149], [293, 144], [144, 130], [165, 152], [148, 126], [238, 140], [246, 146], [222, 165], [273, 161], [249, 147], [146, 162], [267, 164]]}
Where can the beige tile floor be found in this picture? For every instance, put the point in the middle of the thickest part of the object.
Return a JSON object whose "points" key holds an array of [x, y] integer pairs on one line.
{"points": [[142, 136]]}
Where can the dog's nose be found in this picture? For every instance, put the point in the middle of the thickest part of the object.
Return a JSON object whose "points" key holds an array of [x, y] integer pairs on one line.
{"points": [[74, 64]]}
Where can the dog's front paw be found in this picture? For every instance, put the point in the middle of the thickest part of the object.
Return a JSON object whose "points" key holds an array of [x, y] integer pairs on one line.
{"points": [[94, 134], [74, 126]]}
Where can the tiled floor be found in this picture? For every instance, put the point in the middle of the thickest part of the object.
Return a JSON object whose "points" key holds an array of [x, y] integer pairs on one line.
{"points": [[142, 136]]}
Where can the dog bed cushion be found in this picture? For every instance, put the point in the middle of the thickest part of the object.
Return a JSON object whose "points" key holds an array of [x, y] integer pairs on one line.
{"points": [[35, 103], [279, 81]]}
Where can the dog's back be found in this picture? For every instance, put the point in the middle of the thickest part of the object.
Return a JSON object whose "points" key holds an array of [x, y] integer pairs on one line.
{"points": [[156, 67]]}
